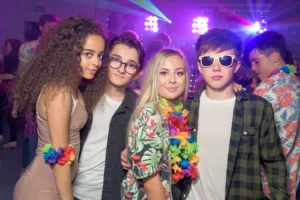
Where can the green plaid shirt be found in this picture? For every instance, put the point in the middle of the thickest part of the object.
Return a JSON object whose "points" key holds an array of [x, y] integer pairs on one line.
{"points": [[254, 141]]}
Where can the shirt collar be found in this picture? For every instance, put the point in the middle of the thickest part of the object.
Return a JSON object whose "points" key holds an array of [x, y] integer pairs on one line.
{"points": [[129, 99], [240, 95]]}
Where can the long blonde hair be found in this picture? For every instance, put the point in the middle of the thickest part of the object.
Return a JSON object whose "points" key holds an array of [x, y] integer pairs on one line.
{"points": [[149, 92]]}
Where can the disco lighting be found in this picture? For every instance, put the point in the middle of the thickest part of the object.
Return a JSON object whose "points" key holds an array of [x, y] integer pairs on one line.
{"points": [[255, 27], [149, 6], [200, 25], [151, 24], [259, 27], [263, 26]]}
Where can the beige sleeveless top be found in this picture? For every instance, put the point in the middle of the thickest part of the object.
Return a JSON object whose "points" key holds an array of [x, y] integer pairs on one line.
{"points": [[77, 121]]}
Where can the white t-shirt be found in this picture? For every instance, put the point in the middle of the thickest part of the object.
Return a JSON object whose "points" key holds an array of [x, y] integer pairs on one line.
{"points": [[88, 183], [213, 137]]}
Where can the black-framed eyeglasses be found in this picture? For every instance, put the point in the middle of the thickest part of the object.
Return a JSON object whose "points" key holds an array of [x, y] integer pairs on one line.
{"points": [[224, 60], [116, 63]]}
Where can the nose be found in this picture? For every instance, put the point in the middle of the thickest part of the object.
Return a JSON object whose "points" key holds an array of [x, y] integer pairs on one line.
{"points": [[254, 67], [216, 66], [96, 61], [121, 69], [172, 78]]}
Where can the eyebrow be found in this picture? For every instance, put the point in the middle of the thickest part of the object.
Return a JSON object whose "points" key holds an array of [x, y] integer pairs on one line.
{"points": [[175, 69], [93, 51], [89, 50], [116, 55]]}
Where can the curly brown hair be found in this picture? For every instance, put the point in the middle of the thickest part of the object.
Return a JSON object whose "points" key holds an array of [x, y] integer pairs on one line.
{"points": [[57, 65]]}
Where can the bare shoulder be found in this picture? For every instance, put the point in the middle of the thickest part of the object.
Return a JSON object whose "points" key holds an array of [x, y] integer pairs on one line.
{"points": [[54, 98], [56, 93]]}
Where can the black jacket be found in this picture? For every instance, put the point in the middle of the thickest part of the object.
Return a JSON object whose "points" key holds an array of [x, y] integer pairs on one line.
{"points": [[114, 172]]}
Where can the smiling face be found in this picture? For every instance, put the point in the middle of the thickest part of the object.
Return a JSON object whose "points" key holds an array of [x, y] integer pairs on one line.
{"points": [[91, 56], [118, 77], [218, 77], [171, 78]]}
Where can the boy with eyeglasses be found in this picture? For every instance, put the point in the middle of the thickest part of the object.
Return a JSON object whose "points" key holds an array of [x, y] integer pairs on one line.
{"points": [[100, 172], [235, 131]]}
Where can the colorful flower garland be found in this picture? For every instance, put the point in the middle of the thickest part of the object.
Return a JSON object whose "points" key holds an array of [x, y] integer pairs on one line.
{"points": [[61, 156], [288, 69], [183, 145]]}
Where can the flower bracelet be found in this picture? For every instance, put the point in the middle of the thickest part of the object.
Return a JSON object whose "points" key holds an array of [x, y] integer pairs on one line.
{"points": [[61, 156]]}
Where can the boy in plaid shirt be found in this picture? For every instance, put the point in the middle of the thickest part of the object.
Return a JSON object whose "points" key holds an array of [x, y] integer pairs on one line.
{"points": [[235, 131]]}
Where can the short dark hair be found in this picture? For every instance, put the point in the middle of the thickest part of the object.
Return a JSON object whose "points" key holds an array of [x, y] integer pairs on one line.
{"points": [[130, 33], [131, 42], [164, 38], [267, 43], [219, 40], [46, 18]]}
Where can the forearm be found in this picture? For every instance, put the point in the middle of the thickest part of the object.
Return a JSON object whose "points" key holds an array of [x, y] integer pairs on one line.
{"points": [[7, 76], [154, 188], [63, 181]]}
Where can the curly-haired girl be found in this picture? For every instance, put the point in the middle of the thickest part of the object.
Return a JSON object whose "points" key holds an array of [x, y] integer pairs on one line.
{"points": [[50, 86]]}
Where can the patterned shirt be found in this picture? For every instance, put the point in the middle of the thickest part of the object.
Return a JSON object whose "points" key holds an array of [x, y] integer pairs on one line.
{"points": [[148, 152], [254, 140], [283, 92], [27, 50]]}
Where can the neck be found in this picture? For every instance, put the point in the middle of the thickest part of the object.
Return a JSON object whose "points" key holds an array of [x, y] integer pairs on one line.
{"points": [[172, 102], [220, 94], [115, 93]]}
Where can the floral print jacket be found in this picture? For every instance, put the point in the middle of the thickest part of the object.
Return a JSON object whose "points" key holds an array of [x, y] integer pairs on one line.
{"points": [[283, 92], [148, 152]]}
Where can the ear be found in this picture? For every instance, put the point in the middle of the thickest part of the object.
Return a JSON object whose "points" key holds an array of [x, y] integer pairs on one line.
{"points": [[199, 67], [275, 57], [237, 67], [41, 28], [138, 75]]}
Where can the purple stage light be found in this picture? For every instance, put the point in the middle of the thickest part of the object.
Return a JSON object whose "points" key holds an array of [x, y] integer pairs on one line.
{"points": [[200, 25], [258, 27], [255, 27], [151, 24], [155, 29]]}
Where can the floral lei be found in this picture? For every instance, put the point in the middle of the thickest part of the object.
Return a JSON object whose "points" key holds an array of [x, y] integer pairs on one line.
{"points": [[183, 145], [288, 69]]}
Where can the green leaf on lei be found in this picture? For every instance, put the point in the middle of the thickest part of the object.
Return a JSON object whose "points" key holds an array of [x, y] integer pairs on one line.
{"points": [[178, 106], [174, 150]]}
